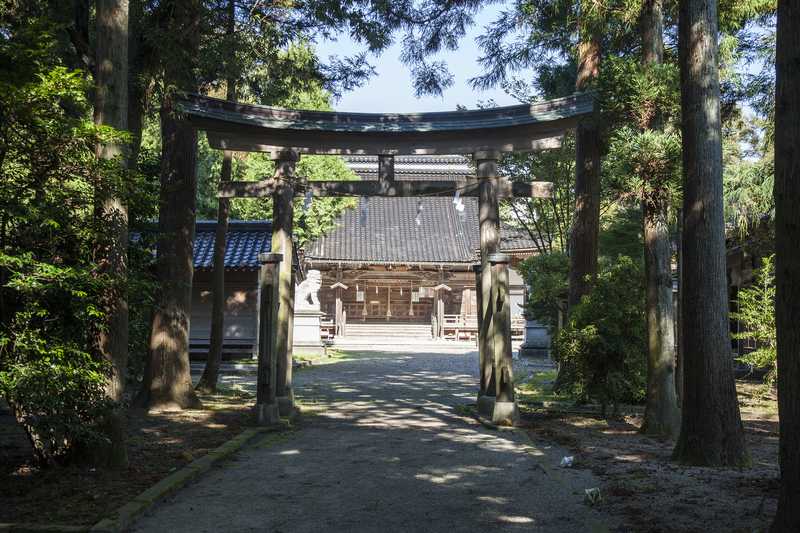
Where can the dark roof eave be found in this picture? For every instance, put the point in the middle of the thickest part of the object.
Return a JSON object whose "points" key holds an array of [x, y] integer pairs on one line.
{"points": [[382, 263], [275, 118]]}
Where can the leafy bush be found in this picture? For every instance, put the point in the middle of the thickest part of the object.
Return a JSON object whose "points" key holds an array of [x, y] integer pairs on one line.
{"points": [[54, 386], [602, 348], [546, 277], [49, 282], [757, 316], [57, 394]]}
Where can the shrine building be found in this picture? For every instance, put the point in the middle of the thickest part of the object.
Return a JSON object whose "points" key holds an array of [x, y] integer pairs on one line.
{"points": [[391, 263], [403, 267]]}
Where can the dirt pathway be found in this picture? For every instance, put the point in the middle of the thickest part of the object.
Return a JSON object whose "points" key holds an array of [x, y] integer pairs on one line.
{"points": [[387, 451]]}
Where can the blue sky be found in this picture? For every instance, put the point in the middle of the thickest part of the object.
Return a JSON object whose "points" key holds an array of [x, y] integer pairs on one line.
{"points": [[390, 90]]}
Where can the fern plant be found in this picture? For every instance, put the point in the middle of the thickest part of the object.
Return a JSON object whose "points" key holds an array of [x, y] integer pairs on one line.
{"points": [[757, 316]]}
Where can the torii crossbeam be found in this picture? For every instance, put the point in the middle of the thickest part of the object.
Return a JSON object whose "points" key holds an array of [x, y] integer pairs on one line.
{"points": [[484, 134]]}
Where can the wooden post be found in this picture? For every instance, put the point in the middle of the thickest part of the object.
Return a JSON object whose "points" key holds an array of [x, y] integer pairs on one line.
{"points": [[338, 315], [339, 312], [505, 408], [440, 314], [479, 301], [489, 219], [282, 243], [266, 391], [437, 326]]}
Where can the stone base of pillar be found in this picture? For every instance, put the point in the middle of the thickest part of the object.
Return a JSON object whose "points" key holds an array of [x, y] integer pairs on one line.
{"points": [[486, 405], [286, 406], [266, 414], [505, 413]]}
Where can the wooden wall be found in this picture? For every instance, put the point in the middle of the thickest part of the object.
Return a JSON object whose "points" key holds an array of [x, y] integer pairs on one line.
{"points": [[241, 306]]}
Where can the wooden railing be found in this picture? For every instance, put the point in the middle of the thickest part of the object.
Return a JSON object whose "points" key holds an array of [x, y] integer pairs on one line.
{"points": [[460, 327]]}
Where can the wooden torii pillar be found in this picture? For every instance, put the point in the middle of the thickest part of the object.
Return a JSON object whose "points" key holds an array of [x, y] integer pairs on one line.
{"points": [[282, 228], [496, 397]]}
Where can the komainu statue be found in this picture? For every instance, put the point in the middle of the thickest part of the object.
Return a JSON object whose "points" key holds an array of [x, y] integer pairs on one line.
{"points": [[306, 292]]}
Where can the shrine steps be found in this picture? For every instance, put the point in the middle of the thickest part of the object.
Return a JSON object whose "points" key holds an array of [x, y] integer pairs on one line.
{"points": [[405, 331]]}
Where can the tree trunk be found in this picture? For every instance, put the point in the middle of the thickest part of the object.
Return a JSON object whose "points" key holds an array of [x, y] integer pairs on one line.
{"points": [[167, 382], [208, 381], [679, 313], [787, 260], [711, 430], [586, 221], [111, 109], [136, 87], [662, 416]]}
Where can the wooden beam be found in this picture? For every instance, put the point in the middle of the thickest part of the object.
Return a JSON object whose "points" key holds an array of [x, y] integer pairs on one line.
{"points": [[468, 186], [529, 139]]}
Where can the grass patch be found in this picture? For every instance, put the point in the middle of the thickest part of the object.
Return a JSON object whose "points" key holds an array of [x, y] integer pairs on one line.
{"points": [[331, 355], [537, 390], [757, 399]]}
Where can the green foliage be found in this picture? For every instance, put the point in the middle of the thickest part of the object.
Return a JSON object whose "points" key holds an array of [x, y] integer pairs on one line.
{"points": [[646, 162], [748, 175], [602, 348], [638, 94], [641, 109], [546, 278], [49, 284], [621, 232], [546, 220], [54, 385], [756, 314]]}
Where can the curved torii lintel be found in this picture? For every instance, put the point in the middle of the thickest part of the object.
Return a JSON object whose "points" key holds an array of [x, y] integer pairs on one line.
{"points": [[255, 128]]}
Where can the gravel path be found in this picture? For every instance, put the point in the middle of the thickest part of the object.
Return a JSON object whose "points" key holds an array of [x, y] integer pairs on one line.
{"points": [[386, 450]]}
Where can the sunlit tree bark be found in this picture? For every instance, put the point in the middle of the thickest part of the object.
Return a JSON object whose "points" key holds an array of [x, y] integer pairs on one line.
{"points": [[787, 260], [167, 382], [111, 109], [711, 425], [662, 416]]}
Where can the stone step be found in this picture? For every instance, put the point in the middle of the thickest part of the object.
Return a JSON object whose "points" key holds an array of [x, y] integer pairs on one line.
{"points": [[374, 330], [400, 343]]}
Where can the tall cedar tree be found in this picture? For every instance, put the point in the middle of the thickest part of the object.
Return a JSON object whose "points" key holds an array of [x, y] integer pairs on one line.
{"points": [[583, 244], [111, 109], [208, 381], [787, 259], [711, 426], [167, 381], [662, 416]]}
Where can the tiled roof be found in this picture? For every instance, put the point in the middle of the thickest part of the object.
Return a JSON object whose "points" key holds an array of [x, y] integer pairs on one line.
{"points": [[380, 229], [413, 168], [389, 233], [245, 241]]}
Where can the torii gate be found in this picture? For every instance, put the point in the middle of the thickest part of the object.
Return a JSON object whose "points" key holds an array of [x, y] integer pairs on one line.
{"points": [[484, 134]]}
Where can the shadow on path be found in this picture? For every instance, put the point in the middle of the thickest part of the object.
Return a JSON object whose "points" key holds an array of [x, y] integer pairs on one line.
{"points": [[387, 450]]}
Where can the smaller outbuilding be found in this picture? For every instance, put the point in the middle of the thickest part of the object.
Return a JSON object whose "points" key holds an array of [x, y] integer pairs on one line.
{"points": [[245, 241]]}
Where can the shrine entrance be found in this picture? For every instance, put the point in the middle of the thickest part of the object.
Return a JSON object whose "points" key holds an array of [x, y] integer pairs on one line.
{"points": [[484, 135]]}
